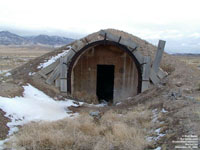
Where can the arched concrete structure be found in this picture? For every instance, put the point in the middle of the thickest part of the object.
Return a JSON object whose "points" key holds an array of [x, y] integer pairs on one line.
{"points": [[84, 69]]}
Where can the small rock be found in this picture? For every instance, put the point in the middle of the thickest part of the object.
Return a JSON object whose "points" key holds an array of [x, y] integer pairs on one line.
{"points": [[95, 113], [179, 84]]}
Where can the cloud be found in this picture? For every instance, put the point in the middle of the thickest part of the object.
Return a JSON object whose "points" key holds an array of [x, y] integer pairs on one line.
{"points": [[152, 20]]}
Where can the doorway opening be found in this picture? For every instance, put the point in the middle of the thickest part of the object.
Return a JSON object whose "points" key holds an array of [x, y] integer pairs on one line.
{"points": [[105, 82]]}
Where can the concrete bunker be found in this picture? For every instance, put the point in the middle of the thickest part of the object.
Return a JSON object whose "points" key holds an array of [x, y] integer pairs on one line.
{"points": [[104, 66], [104, 70]]}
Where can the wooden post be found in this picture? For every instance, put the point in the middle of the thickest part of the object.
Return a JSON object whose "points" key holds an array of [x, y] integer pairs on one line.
{"points": [[49, 68], [63, 76], [153, 77], [57, 83], [158, 57], [146, 73]]}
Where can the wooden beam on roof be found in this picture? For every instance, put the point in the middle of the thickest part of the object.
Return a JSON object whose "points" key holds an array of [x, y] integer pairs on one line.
{"points": [[162, 74], [68, 56], [158, 57], [54, 75], [78, 45], [112, 37], [127, 42], [42, 75], [138, 56], [86, 40], [49, 68]]}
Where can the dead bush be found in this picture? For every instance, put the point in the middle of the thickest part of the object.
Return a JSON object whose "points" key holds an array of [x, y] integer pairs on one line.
{"points": [[113, 131], [169, 68]]}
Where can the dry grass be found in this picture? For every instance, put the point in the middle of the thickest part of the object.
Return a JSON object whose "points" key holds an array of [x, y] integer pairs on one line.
{"points": [[113, 131], [191, 60], [198, 113], [14, 56], [168, 68]]}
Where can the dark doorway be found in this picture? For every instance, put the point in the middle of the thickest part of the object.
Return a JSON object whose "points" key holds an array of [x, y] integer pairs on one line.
{"points": [[105, 82]]}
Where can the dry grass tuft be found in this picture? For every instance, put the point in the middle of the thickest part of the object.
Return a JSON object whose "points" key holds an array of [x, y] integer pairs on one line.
{"points": [[112, 131], [168, 68]]}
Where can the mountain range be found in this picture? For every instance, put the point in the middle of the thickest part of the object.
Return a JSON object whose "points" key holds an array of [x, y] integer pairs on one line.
{"points": [[8, 38]]}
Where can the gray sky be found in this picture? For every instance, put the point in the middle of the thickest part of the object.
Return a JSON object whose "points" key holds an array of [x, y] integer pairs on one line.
{"points": [[148, 19]]}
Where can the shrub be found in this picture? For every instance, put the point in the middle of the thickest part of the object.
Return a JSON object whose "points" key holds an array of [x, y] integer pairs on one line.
{"points": [[168, 68], [112, 131]]}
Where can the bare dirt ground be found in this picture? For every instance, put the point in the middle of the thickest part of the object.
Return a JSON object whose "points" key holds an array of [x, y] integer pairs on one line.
{"points": [[178, 94]]}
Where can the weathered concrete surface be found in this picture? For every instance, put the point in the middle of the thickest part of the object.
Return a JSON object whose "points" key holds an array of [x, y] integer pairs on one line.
{"points": [[84, 73]]}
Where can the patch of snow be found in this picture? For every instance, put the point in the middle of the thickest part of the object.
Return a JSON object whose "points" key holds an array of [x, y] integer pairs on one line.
{"points": [[155, 115], [118, 103], [3, 71], [159, 135], [149, 139], [1, 143], [102, 104], [54, 58], [157, 130], [7, 74], [33, 106], [162, 122], [158, 148], [163, 110], [31, 73]]}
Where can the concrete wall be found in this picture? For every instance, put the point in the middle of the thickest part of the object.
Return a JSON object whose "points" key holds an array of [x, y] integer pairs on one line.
{"points": [[84, 73]]}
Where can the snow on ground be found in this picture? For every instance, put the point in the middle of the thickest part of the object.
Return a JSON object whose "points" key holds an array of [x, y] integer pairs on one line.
{"points": [[158, 130], [33, 106], [158, 148], [31, 73], [7, 74], [4, 72], [163, 110], [53, 59]]}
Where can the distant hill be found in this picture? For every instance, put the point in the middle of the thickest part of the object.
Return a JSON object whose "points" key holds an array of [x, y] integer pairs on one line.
{"points": [[8, 38], [186, 54]]}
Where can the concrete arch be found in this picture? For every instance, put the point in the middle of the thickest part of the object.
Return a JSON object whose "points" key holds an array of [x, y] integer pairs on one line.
{"points": [[105, 43]]}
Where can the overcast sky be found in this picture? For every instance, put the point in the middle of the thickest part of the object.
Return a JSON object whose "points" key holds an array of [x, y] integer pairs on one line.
{"points": [[148, 19]]}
